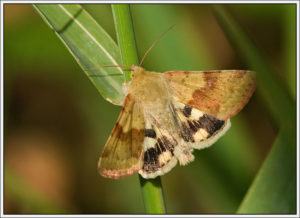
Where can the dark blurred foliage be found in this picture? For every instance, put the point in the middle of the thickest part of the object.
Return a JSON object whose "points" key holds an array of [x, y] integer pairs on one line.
{"points": [[56, 123]]}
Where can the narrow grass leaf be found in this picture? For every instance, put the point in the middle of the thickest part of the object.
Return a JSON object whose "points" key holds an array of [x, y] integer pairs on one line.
{"points": [[274, 188], [90, 45]]}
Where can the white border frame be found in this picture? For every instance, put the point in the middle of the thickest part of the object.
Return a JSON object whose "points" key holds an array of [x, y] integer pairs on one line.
{"points": [[140, 2]]}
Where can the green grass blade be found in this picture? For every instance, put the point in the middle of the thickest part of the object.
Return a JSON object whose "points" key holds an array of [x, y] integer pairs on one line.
{"points": [[274, 188], [90, 45], [151, 189]]}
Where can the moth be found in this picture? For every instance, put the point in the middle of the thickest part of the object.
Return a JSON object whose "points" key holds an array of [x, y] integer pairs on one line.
{"points": [[165, 116]]}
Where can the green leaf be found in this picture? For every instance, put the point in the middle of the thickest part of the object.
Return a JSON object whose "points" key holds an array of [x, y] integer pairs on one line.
{"points": [[274, 188], [90, 45]]}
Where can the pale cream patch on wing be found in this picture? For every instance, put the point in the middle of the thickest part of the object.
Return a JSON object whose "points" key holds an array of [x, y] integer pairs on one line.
{"points": [[208, 142], [148, 124], [165, 156], [149, 143], [201, 134], [196, 114], [179, 105]]}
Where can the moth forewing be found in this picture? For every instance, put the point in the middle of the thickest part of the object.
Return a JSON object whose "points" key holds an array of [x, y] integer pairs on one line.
{"points": [[122, 154], [220, 93]]}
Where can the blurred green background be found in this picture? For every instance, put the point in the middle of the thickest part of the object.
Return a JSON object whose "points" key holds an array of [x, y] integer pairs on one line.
{"points": [[56, 123]]}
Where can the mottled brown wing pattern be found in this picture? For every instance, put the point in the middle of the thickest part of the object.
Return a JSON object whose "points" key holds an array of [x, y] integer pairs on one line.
{"points": [[219, 93], [123, 152]]}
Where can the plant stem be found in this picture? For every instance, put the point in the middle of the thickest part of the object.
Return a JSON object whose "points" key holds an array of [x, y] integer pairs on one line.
{"points": [[153, 195], [125, 35], [151, 189]]}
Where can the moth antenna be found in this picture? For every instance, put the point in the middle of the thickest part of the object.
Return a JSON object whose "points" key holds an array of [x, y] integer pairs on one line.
{"points": [[154, 43]]}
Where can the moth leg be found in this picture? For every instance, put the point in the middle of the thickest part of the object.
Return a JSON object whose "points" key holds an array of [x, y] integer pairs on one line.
{"points": [[183, 152]]}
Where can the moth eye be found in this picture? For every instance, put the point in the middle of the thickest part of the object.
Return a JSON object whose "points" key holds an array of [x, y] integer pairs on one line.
{"points": [[131, 74]]}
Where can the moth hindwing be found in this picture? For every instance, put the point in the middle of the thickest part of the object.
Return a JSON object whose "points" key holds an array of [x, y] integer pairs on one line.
{"points": [[165, 116]]}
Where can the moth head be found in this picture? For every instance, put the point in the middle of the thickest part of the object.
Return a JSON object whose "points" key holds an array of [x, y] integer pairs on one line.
{"points": [[136, 70]]}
